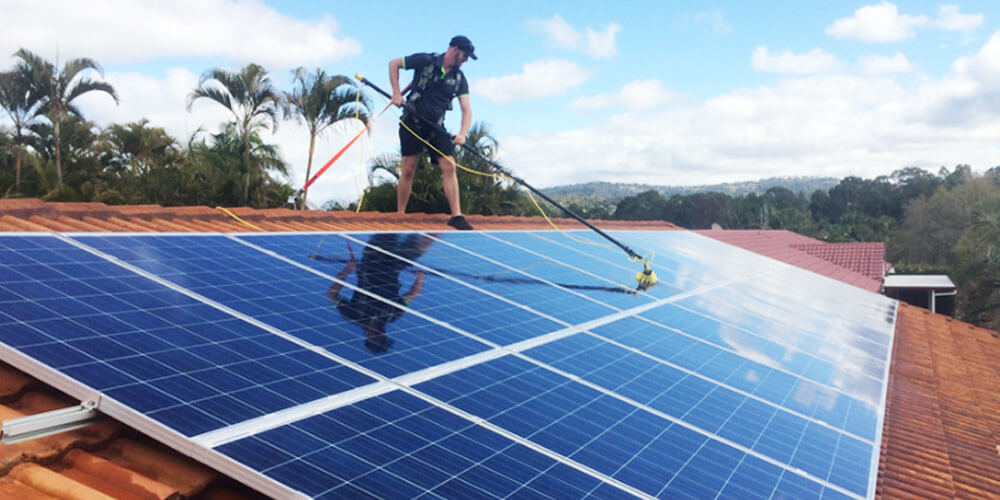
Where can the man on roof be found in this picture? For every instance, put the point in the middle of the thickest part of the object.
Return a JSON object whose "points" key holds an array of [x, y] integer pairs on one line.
{"points": [[437, 80]]}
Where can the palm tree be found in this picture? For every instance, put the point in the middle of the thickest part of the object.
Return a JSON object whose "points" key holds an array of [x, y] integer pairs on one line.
{"points": [[57, 90], [249, 95], [23, 106], [320, 100]]}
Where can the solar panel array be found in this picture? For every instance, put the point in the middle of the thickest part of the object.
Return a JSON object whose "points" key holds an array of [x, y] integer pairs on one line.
{"points": [[457, 365]]}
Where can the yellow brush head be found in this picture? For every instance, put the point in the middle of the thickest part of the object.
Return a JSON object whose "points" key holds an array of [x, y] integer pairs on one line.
{"points": [[645, 279]]}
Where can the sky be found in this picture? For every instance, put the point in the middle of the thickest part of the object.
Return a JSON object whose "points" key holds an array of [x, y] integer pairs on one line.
{"points": [[655, 92]]}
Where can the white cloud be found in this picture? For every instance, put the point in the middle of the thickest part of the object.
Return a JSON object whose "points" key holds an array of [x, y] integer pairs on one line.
{"points": [[875, 65], [970, 95], [162, 102], [603, 44], [950, 19], [812, 62], [715, 19], [633, 96], [538, 79], [877, 23], [598, 44], [832, 124], [559, 32], [123, 31]]}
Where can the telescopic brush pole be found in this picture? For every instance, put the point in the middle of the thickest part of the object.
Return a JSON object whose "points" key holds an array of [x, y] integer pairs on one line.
{"points": [[646, 278]]}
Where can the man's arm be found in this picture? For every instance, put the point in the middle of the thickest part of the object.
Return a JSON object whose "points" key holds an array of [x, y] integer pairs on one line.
{"points": [[333, 293], [463, 101], [418, 286], [394, 66]]}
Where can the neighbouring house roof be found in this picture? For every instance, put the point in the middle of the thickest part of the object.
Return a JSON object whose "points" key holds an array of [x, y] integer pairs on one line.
{"points": [[860, 264], [867, 259], [936, 281], [941, 436]]}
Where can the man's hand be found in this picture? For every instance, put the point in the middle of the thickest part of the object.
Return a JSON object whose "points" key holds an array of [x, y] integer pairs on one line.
{"points": [[397, 99], [459, 139]]}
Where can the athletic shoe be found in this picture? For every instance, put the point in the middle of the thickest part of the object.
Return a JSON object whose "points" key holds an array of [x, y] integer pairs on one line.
{"points": [[459, 222]]}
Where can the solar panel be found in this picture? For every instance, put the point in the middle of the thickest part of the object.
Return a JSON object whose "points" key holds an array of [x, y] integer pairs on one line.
{"points": [[177, 360], [484, 364]]}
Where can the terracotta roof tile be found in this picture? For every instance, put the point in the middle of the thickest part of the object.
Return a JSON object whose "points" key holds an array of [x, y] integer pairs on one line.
{"points": [[19, 224], [112, 479], [171, 225], [79, 224], [157, 463], [12, 382], [867, 259], [941, 431], [859, 264], [128, 225], [102, 224], [31, 476]]}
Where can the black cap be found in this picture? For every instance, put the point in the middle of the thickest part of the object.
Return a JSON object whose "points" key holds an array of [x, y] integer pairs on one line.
{"points": [[465, 45]]}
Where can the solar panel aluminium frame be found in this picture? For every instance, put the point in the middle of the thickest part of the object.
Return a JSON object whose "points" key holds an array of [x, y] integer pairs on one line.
{"points": [[190, 446]]}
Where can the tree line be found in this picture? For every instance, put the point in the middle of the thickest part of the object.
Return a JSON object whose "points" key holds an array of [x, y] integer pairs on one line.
{"points": [[49, 149], [948, 223]]}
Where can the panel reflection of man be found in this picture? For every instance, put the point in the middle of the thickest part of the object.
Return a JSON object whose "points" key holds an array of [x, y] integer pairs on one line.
{"points": [[379, 275]]}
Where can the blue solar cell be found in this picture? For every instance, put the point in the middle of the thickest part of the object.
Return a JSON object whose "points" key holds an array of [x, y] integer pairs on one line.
{"points": [[508, 283], [382, 447], [468, 309], [375, 334], [780, 388], [144, 346], [186, 419], [614, 286], [616, 265]]}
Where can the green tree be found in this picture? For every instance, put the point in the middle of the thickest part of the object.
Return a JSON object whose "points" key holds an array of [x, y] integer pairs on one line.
{"points": [[141, 164], [75, 146], [319, 100], [254, 102], [480, 194], [648, 205], [57, 89], [487, 193], [977, 265], [23, 105]]}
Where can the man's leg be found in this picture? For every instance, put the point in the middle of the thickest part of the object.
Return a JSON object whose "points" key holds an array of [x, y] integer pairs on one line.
{"points": [[407, 167], [449, 179]]}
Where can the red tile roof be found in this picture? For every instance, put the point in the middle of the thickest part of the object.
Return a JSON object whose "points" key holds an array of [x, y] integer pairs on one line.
{"points": [[31, 214], [942, 427], [867, 259], [941, 437], [860, 264]]}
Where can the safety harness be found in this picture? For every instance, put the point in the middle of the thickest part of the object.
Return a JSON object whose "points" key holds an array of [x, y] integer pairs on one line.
{"points": [[433, 72]]}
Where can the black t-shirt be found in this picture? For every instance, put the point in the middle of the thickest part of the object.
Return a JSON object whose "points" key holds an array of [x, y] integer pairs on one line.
{"points": [[433, 89], [378, 273]]}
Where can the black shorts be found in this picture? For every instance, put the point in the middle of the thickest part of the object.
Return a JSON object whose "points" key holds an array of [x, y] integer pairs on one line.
{"points": [[410, 145]]}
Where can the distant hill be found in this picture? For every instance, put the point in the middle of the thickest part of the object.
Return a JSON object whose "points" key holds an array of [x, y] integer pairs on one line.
{"points": [[617, 191]]}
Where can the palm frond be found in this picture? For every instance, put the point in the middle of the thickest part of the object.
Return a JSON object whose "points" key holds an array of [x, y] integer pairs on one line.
{"points": [[212, 93], [85, 85]]}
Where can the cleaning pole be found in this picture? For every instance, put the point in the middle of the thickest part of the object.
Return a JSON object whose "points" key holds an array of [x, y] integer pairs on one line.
{"points": [[645, 279]]}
